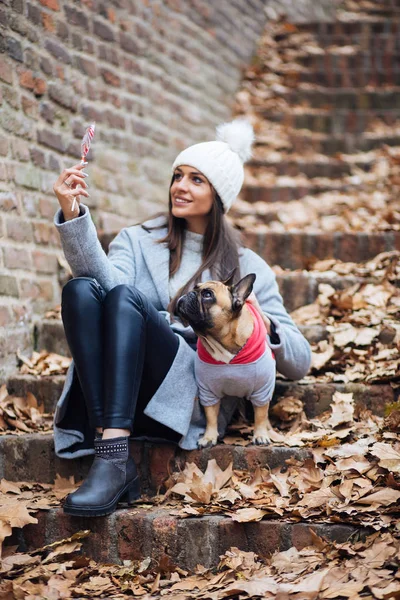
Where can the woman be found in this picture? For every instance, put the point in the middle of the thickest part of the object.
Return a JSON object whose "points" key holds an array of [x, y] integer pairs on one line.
{"points": [[132, 372]]}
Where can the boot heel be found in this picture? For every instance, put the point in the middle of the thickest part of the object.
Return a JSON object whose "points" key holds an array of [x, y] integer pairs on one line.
{"points": [[132, 493]]}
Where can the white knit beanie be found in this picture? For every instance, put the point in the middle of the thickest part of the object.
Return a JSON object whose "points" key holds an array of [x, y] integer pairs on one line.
{"points": [[222, 161]]}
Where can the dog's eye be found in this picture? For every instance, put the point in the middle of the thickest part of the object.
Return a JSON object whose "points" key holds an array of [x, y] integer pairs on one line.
{"points": [[206, 294]]}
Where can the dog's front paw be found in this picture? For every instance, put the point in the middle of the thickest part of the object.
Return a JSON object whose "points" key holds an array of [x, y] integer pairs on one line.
{"points": [[261, 438], [207, 441]]}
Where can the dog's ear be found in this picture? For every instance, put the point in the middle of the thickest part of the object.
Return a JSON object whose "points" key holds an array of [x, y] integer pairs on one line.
{"points": [[229, 280], [242, 290]]}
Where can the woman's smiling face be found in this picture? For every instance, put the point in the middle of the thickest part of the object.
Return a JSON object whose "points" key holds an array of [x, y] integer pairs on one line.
{"points": [[191, 197]]}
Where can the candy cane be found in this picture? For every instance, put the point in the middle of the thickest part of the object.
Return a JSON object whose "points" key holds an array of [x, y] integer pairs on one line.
{"points": [[85, 147]]}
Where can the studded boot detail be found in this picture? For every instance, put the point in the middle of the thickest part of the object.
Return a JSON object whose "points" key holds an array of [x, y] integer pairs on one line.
{"points": [[112, 479]]}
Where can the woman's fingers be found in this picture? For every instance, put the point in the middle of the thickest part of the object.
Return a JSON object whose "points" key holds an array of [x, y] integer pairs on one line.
{"points": [[77, 192], [75, 170], [74, 180]]}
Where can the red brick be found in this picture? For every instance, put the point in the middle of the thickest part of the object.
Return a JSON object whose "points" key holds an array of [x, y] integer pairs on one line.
{"points": [[21, 313], [8, 201], [45, 262], [52, 4], [3, 145], [232, 534], [17, 258], [30, 107], [48, 22], [26, 80], [35, 533], [39, 86], [301, 536], [164, 538], [198, 542], [103, 30], [19, 230], [37, 290], [20, 149], [5, 316], [48, 207], [160, 460], [265, 537], [8, 286], [111, 14], [51, 139], [99, 544], [46, 233], [111, 78], [133, 535], [6, 71], [76, 17]]}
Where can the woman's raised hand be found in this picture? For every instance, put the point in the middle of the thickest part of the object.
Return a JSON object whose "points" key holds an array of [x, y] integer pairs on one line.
{"points": [[68, 187]]}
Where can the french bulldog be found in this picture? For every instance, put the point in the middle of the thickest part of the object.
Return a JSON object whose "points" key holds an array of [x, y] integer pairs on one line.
{"points": [[233, 357]]}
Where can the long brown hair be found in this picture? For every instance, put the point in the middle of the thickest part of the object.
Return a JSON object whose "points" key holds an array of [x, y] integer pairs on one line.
{"points": [[220, 246]]}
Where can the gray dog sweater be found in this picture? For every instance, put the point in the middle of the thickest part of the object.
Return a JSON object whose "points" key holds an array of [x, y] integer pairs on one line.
{"points": [[250, 374], [254, 381]]}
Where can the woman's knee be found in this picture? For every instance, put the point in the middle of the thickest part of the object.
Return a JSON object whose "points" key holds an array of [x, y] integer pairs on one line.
{"points": [[80, 289], [125, 292]]}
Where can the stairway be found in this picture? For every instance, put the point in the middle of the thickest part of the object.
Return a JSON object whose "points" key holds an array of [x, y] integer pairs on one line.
{"points": [[314, 112]]}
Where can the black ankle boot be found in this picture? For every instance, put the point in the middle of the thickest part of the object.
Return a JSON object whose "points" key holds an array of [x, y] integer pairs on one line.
{"points": [[112, 478]]}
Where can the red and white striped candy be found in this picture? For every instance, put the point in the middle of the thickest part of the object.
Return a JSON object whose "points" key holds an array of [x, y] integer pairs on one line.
{"points": [[87, 139]]}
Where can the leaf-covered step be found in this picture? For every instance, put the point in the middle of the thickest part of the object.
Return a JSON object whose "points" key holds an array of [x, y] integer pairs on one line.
{"points": [[139, 533], [340, 123], [31, 457], [48, 389], [296, 249]]}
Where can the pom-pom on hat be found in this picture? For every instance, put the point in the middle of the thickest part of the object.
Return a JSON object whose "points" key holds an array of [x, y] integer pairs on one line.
{"points": [[221, 161]]}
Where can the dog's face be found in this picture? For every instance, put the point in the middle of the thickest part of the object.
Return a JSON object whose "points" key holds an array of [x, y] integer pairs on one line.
{"points": [[210, 306]]}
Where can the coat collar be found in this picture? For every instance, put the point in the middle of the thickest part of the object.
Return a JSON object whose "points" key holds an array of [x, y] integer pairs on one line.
{"points": [[156, 257]]}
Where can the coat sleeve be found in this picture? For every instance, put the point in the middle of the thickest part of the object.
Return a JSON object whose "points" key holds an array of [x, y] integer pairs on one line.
{"points": [[292, 351], [86, 256]]}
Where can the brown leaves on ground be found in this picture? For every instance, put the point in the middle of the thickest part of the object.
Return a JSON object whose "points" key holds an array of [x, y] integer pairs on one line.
{"points": [[20, 500], [54, 313], [383, 267], [44, 363], [322, 570], [363, 326], [352, 474], [20, 415]]}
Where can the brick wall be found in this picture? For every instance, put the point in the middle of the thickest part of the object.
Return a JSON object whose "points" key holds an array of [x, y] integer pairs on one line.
{"points": [[154, 75]]}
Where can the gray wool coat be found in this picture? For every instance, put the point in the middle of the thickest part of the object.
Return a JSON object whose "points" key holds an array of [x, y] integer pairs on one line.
{"points": [[135, 258]]}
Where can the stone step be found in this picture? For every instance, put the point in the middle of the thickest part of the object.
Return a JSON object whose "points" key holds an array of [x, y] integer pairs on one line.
{"points": [[310, 166], [364, 27], [289, 189], [367, 41], [316, 398], [139, 533], [297, 249], [350, 58], [336, 77], [337, 122], [344, 99], [31, 457]]}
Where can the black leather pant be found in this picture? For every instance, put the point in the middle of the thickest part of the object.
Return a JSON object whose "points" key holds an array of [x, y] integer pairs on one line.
{"points": [[122, 350]]}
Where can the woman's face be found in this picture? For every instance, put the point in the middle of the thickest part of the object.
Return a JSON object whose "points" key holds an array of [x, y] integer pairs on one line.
{"points": [[191, 197]]}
